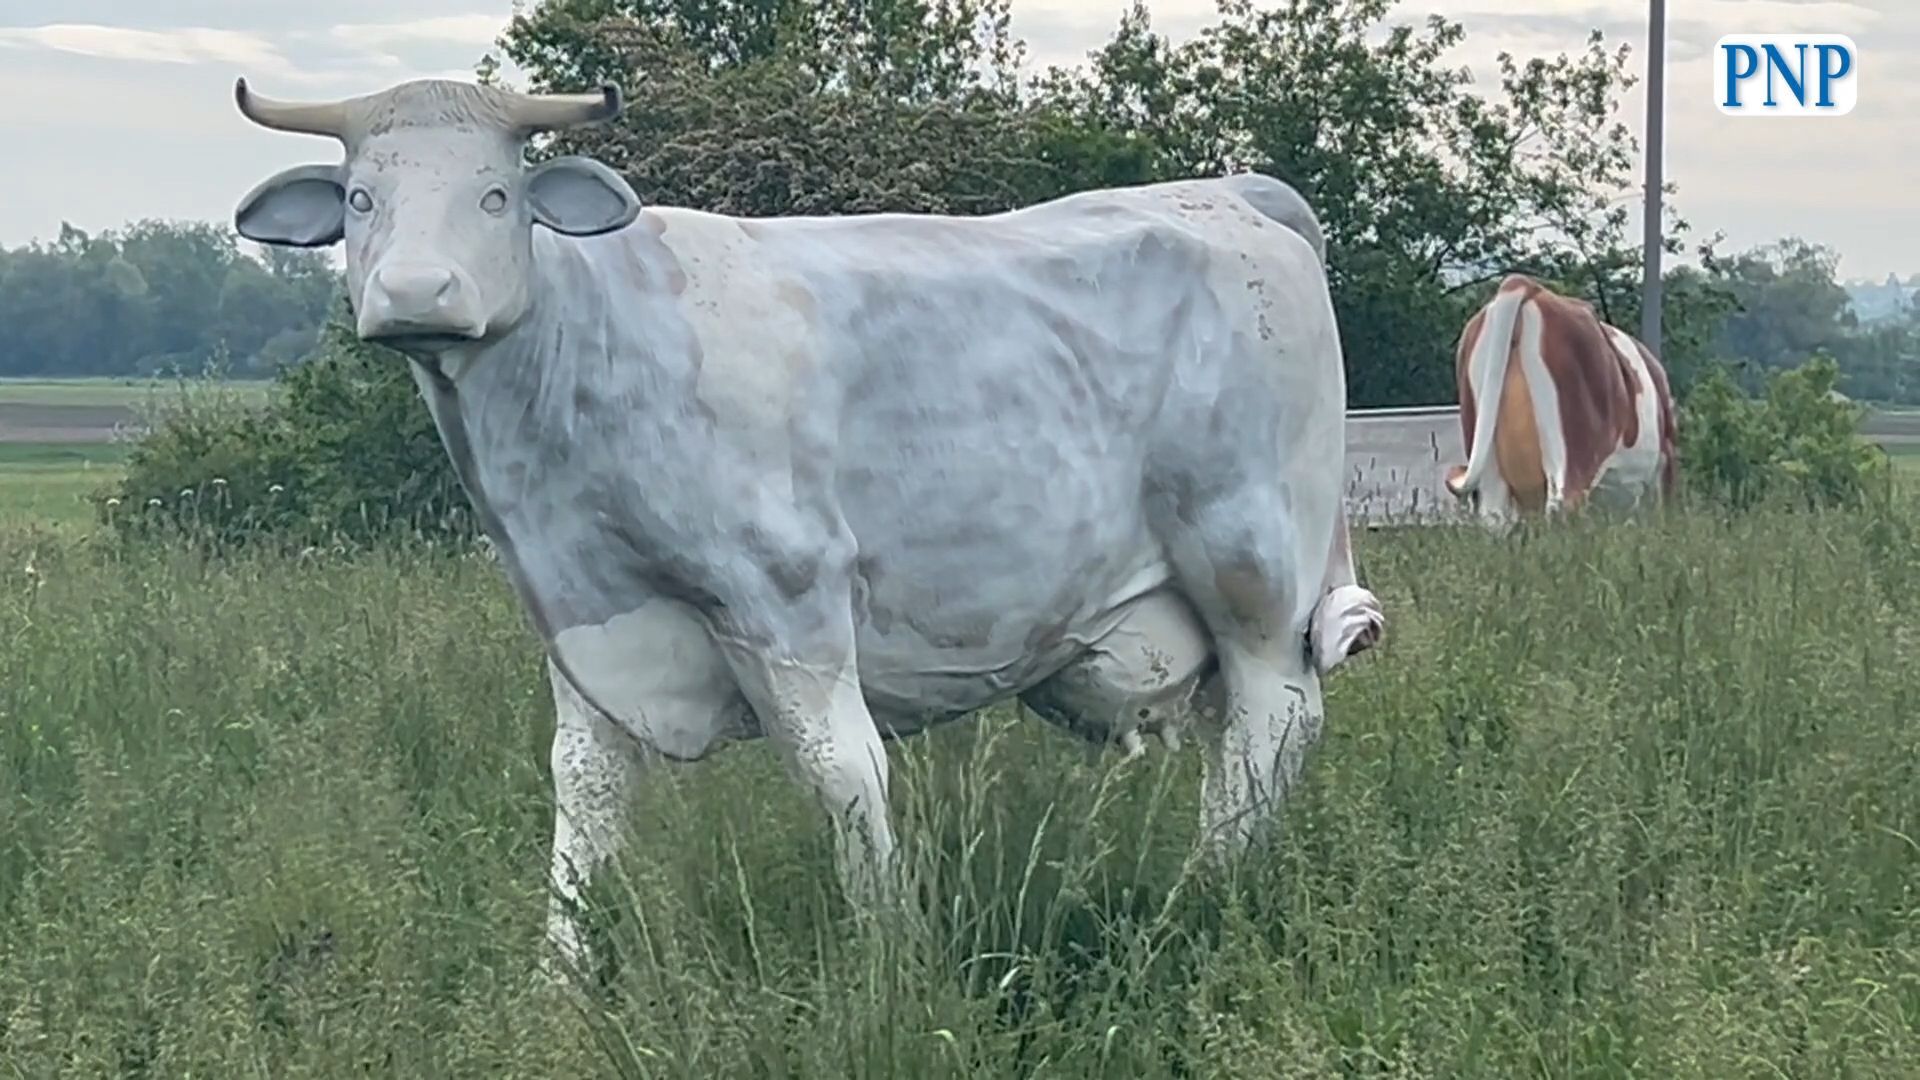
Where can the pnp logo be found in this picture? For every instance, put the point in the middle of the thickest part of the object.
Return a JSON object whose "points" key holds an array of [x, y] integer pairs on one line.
{"points": [[1785, 75]]}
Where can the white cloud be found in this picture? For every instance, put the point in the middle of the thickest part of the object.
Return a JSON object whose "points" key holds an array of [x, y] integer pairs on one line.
{"points": [[1735, 16], [478, 29], [1060, 32], [415, 48], [348, 53], [185, 45]]}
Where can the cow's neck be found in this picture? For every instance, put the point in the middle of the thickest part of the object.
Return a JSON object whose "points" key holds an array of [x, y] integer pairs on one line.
{"points": [[595, 350], [600, 365], [513, 413]]}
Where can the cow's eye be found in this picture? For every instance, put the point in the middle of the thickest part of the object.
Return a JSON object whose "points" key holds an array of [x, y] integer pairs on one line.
{"points": [[494, 201], [360, 200]]}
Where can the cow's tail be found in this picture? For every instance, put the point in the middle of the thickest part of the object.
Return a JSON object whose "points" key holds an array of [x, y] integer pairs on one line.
{"points": [[1487, 376], [1347, 620]]}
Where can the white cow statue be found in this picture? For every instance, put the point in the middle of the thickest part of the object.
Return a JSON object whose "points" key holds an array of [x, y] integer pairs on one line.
{"points": [[833, 480]]}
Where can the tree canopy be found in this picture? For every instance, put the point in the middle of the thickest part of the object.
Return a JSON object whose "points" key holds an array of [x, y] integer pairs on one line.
{"points": [[1426, 189], [1782, 303], [157, 296]]}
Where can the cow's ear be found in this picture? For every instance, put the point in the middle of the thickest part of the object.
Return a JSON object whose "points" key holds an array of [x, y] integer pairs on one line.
{"points": [[579, 196], [304, 206]]}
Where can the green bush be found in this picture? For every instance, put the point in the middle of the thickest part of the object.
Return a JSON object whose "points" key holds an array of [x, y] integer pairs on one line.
{"points": [[1799, 443], [344, 453]]}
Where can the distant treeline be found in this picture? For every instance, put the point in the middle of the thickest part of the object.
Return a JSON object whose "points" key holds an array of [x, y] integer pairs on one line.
{"points": [[158, 297], [155, 297], [1783, 302]]}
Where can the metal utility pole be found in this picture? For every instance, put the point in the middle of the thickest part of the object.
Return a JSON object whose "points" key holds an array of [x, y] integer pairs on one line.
{"points": [[1655, 144]]}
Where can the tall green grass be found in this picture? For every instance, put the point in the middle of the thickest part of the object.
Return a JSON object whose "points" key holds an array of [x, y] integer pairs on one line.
{"points": [[1629, 800]]}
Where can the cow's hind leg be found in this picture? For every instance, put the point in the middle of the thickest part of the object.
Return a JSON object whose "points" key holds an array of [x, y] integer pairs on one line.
{"points": [[1498, 509], [1545, 400], [1239, 560], [1269, 716]]}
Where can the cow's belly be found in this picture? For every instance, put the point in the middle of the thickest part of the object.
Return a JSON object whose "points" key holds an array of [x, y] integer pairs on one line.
{"points": [[916, 668], [999, 520], [1628, 475], [973, 585], [926, 655]]}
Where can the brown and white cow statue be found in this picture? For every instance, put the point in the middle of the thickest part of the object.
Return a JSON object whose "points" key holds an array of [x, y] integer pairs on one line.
{"points": [[1582, 411]]}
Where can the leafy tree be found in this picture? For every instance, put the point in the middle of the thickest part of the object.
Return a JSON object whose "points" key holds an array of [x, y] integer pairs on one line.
{"points": [[1765, 309], [1694, 305], [153, 296], [1881, 361], [906, 50], [797, 107], [1788, 304], [1800, 442]]}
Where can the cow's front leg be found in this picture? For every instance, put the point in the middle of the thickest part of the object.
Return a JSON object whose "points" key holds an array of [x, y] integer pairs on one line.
{"points": [[596, 771], [802, 682], [669, 693]]}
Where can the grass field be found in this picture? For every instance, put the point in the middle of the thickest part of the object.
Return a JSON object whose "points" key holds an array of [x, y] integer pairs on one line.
{"points": [[104, 392], [48, 484], [1644, 802]]}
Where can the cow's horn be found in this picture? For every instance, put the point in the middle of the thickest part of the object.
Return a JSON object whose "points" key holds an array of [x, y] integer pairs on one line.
{"points": [[550, 112], [315, 118]]}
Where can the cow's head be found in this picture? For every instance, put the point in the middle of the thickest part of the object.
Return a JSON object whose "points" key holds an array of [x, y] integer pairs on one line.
{"points": [[435, 201]]}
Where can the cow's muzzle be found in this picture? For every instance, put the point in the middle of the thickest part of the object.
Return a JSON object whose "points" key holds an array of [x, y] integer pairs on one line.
{"points": [[415, 302]]}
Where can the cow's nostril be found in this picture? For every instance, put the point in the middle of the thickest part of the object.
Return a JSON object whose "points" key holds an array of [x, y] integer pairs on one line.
{"points": [[418, 288], [414, 300]]}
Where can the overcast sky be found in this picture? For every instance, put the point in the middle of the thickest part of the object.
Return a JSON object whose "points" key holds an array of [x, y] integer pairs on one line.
{"points": [[119, 109]]}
